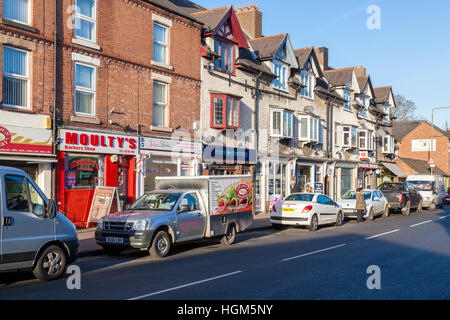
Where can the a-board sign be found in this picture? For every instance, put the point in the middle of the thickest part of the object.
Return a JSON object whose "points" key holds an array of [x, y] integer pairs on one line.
{"points": [[102, 203]]}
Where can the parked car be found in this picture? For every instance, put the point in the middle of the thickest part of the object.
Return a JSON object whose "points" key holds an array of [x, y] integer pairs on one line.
{"points": [[181, 209], [401, 196], [376, 204], [33, 234], [447, 196], [431, 188], [306, 209]]}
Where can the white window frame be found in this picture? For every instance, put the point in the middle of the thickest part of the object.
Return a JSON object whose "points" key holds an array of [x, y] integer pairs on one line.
{"points": [[310, 84], [347, 95], [93, 20], [28, 22], [165, 105], [313, 126], [386, 110], [389, 147], [84, 89], [337, 131], [367, 140], [20, 77], [163, 44], [282, 124], [349, 130]]}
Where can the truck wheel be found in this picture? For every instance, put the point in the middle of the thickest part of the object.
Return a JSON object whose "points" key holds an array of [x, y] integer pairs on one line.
{"points": [[314, 223], [161, 245], [230, 236], [386, 212], [339, 219], [407, 209], [51, 264], [420, 207]]}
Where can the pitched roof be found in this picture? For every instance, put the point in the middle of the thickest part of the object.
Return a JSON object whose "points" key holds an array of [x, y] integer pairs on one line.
{"points": [[323, 89], [362, 81], [211, 18], [401, 128], [382, 94], [180, 7], [267, 47], [421, 166], [303, 55], [338, 77], [246, 59]]}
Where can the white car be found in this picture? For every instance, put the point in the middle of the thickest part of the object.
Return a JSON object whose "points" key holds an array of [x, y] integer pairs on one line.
{"points": [[376, 204], [306, 209]]}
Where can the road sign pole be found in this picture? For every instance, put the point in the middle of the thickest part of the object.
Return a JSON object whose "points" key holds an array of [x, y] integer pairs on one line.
{"points": [[432, 132]]}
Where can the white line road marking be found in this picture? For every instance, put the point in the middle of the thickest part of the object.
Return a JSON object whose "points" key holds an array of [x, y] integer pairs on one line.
{"points": [[418, 224], [310, 253], [185, 285], [444, 217], [382, 234]]}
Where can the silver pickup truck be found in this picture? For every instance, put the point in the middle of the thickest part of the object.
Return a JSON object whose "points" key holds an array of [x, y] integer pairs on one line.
{"points": [[181, 209]]}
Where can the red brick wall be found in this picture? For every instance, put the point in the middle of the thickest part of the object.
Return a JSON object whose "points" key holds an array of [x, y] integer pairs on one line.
{"points": [[423, 131], [125, 35]]}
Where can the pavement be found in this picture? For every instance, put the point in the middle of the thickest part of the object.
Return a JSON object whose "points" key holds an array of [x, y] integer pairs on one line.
{"points": [[88, 246]]}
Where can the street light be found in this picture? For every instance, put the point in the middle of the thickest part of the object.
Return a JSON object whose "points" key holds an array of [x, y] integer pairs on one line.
{"points": [[432, 131]]}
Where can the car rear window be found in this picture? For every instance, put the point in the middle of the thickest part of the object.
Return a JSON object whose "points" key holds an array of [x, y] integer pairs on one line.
{"points": [[300, 197], [392, 187]]}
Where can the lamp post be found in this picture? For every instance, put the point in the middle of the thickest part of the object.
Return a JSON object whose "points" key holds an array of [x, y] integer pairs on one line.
{"points": [[432, 131]]}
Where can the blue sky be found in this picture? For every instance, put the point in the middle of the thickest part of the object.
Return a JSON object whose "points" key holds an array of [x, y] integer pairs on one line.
{"points": [[411, 51]]}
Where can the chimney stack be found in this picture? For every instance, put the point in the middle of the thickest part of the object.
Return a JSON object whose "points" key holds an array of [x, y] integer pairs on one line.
{"points": [[322, 57], [361, 71], [250, 19]]}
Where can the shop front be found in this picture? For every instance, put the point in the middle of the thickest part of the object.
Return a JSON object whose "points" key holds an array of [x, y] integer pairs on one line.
{"points": [[344, 178], [162, 157], [310, 175], [367, 175], [88, 159], [26, 143], [219, 160]]}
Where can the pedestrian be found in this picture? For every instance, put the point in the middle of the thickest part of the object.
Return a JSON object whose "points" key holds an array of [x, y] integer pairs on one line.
{"points": [[295, 187], [360, 205]]}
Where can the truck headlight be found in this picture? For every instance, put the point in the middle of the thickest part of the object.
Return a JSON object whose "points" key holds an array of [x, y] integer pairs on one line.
{"points": [[140, 225], [100, 224]]}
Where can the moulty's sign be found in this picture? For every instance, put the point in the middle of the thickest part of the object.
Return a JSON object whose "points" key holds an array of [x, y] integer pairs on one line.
{"points": [[95, 142], [15, 139]]}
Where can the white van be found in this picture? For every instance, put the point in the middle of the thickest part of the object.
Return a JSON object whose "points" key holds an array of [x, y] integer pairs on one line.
{"points": [[431, 188], [33, 234]]}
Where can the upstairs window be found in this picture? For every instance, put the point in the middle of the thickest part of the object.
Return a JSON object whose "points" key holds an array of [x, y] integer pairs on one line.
{"points": [[310, 129], [348, 98], [365, 140], [363, 111], [225, 112], [308, 80], [349, 137], [280, 69], [85, 88], [16, 77], [282, 124], [86, 19], [386, 113], [225, 60], [388, 145], [160, 43], [17, 10], [160, 104]]}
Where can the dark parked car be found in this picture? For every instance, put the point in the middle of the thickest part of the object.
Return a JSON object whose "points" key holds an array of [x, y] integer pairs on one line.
{"points": [[402, 196], [447, 196]]}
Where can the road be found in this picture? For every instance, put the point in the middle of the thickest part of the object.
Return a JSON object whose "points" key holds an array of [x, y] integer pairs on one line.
{"points": [[413, 254]]}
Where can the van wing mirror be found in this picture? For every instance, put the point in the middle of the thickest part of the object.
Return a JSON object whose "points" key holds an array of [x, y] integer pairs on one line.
{"points": [[50, 211]]}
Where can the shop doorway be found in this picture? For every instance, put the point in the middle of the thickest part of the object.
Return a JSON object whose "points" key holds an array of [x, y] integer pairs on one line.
{"points": [[122, 182]]}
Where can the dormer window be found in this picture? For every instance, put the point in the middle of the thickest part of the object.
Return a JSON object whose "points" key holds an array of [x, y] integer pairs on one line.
{"points": [[386, 113], [363, 111], [308, 80], [348, 98], [280, 69], [225, 51]]}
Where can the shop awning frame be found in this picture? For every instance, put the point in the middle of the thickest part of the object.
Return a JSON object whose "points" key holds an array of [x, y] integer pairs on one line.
{"points": [[28, 159], [394, 169]]}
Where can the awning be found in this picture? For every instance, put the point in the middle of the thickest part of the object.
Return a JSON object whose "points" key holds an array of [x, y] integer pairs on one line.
{"points": [[28, 159], [346, 165], [395, 169]]}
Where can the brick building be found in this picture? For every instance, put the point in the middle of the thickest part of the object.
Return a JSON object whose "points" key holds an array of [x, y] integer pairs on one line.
{"points": [[125, 70], [413, 140]]}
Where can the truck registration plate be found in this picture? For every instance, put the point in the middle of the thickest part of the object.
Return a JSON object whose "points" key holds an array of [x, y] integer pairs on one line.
{"points": [[114, 240]]}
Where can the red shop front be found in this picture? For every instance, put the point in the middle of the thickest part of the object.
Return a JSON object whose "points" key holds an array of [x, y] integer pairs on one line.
{"points": [[90, 159]]}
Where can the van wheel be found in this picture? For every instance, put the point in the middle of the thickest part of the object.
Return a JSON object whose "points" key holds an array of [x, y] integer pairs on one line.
{"points": [[51, 264], [161, 245], [229, 238], [314, 223]]}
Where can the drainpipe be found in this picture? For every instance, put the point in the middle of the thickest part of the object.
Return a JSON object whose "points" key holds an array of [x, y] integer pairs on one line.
{"points": [[55, 35]]}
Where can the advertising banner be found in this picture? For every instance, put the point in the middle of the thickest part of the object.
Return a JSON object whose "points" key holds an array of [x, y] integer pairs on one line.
{"points": [[230, 195], [24, 140]]}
